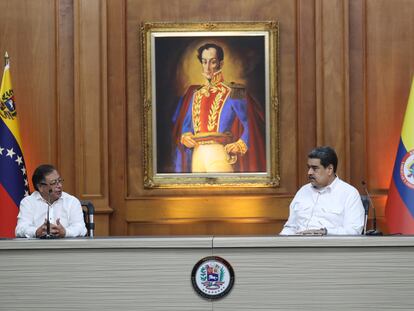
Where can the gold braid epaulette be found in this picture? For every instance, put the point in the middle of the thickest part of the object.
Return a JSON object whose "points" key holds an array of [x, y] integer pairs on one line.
{"points": [[238, 91]]}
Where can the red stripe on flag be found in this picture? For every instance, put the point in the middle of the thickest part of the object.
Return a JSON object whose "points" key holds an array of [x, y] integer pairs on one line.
{"points": [[399, 219], [8, 214]]}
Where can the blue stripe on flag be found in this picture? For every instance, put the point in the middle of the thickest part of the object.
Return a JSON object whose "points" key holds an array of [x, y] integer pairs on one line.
{"points": [[406, 193], [11, 174]]}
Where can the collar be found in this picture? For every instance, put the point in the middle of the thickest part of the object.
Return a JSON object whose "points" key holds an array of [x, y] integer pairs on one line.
{"points": [[38, 196], [328, 188], [216, 79]]}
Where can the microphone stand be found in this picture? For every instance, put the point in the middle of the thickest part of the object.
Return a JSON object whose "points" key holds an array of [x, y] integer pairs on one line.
{"points": [[366, 208], [374, 230], [48, 235]]}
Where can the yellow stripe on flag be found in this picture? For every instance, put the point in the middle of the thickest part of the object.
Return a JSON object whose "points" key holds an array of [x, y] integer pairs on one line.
{"points": [[407, 133], [11, 121]]}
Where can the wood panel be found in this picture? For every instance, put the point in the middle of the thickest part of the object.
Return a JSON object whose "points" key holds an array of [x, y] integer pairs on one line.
{"points": [[28, 34], [117, 106], [381, 69], [344, 73], [90, 87], [332, 79], [389, 70], [65, 93], [306, 86], [357, 62]]}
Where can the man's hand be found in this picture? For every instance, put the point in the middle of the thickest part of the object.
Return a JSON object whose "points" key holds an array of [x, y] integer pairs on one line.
{"points": [[232, 148], [321, 231], [41, 231], [188, 141], [238, 147], [58, 229]]}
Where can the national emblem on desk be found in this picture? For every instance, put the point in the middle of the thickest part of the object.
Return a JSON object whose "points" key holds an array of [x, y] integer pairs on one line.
{"points": [[212, 277]]}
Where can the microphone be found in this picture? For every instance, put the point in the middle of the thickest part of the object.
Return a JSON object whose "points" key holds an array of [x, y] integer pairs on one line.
{"points": [[373, 231]]}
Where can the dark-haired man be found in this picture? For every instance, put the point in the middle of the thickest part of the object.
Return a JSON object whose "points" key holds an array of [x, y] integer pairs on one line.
{"points": [[326, 205], [65, 211], [218, 127]]}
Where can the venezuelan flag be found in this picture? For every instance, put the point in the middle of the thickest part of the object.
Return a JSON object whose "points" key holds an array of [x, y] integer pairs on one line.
{"points": [[399, 210], [13, 176]]}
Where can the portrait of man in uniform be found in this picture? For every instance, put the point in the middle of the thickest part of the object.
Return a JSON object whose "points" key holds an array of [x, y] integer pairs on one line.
{"points": [[211, 115]]}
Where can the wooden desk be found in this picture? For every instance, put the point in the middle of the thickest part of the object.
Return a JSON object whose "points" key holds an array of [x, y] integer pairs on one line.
{"points": [[153, 273]]}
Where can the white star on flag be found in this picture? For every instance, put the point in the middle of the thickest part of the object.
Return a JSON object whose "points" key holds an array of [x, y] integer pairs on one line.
{"points": [[10, 153], [23, 169], [1, 150], [26, 183], [19, 160]]}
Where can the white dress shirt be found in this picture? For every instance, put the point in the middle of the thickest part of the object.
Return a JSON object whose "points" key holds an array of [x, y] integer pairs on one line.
{"points": [[33, 212], [337, 207]]}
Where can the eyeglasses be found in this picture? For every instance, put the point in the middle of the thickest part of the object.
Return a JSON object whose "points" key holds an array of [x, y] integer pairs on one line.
{"points": [[54, 182]]}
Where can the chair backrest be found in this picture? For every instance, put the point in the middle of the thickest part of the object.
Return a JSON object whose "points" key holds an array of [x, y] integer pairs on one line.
{"points": [[88, 213], [365, 203]]}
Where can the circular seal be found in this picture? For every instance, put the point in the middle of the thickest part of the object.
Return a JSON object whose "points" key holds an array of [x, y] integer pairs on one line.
{"points": [[212, 277], [407, 169]]}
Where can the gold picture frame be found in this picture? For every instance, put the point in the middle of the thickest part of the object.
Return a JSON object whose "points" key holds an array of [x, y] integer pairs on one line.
{"points": [[247, 112]]}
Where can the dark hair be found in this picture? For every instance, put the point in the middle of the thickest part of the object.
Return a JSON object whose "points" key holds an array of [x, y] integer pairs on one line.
{"points": [[326, 154], [219, 50], [39, 174]]}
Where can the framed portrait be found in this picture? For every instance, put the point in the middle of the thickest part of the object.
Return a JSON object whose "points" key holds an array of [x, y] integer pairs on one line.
{"points": [[210, 104]]}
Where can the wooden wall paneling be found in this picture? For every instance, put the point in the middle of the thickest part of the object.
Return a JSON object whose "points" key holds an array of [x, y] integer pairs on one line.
{"points": [[28, 34], [357, 91], [91, 118], [286, 12], [306, 85], [345, 71], [332, 79], [146, 208], [390, 68], [117, 136], [65, 95], [219, 227], [389, 72], [234, 215], [359, 110]]}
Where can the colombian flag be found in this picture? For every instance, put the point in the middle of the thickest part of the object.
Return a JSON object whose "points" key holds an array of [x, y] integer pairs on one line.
{"points": [[13, 177], [399, 211]]}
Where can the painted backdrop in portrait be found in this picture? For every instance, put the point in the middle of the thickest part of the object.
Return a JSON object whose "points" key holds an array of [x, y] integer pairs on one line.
{"points": [[177, 69]]}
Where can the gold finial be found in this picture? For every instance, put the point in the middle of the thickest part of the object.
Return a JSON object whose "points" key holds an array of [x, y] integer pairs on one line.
{"points": [[6, 58]]}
